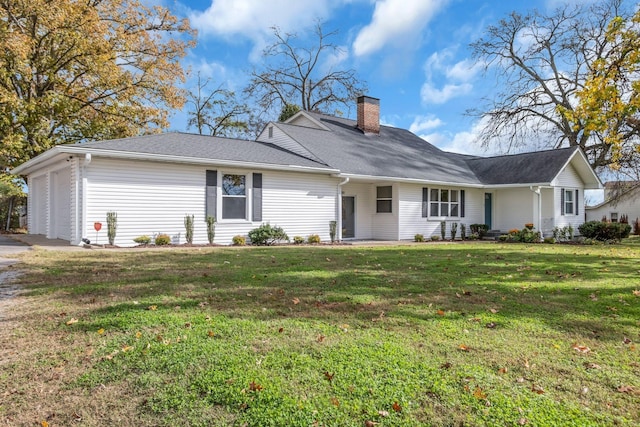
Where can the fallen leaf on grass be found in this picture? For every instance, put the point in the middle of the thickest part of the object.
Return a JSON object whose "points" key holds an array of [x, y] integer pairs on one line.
{"points": [[44, 424], [152, 307], [295, 301], [503, 370], [370, 424], [72, 321], [440, 312], [396, 407], [320, 338], [636, 293], [629, 389], [383, 414], [328, 376], [445, 365], [493, 310], [479, 394], [126, 348], [255, 386], [626, 340], [281, 330], [463, 347], [211, 334], [138, 335], [100, 331], [335, 401], [490, 325], [591, 365], [581, 348], [537, 389], [523, 422]]}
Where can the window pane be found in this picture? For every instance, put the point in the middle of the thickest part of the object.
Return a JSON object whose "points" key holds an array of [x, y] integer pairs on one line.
{"points": [[454, 210], [568, 196], [444, 195], [383, 192], [434, 195], [434, 210], [233, 185], [234, 208], [444, 209], [454, 195], [383, 206]]}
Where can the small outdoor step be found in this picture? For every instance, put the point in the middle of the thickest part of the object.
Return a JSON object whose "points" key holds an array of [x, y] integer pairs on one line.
{"points": [[493, 234]]}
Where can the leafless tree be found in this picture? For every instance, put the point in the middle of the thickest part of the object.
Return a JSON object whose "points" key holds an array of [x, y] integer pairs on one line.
{"points": [[216, 112], [541, 62], [302, 75]]}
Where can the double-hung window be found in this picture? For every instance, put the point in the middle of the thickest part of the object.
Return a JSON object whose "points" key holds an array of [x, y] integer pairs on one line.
{"points": [[444, 203], [384, 199], [234, 196], [569, 201]]}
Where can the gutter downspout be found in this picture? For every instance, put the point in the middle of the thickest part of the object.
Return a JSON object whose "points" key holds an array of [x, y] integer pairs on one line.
{"points": [[339, 213], [539, 213]]}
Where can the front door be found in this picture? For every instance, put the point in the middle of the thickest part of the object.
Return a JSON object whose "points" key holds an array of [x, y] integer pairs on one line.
{"points": [[348, 217], [488, 210]]}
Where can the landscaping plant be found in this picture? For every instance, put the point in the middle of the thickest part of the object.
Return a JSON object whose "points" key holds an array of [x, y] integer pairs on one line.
{"points": [[112, 227], [266, 235], [211, 228], [188, 226]]}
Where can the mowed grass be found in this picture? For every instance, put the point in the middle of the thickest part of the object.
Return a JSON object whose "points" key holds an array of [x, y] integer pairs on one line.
{"points": [[431, 334]]}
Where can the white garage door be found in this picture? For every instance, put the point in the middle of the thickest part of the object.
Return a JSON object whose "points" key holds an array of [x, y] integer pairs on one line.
{"points": [[60, 204]]}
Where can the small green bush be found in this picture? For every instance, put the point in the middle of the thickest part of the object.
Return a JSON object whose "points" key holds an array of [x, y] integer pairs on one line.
{"points": [[605, 231], [211, 228], [142, 240], [463, 231], [479, 229], [443, 229], [454, 230], [313, 239], [418, 238], [504, 237], [333, 229], [550, 240], [188, 228], [239, 240], [435, 238], [162, 239], [266, 235], [298, 240]]}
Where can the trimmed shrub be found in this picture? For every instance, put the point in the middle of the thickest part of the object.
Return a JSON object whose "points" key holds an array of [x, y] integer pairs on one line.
{"points": [[549, 240], [238, 240], [463, 231], [188, 228], [479, 229], [454, 230], [418, 238], [266, 235], [636, 227], [333, 228], [605, 231], [162, 239], [211, 229], [443, 229], [435, 238], [298, 240], [112, 226], [313, 238], [142, 240]]}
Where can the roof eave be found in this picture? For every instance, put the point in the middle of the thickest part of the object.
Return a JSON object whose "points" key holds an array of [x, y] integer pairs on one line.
{"points": [[115, 154], [589, 177]]}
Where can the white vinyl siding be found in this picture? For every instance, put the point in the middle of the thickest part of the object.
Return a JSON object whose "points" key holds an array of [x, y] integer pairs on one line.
{"points": [[569, 180], [513, 208], [411, 220], [60, 199], [152, 198], [628, 205]]}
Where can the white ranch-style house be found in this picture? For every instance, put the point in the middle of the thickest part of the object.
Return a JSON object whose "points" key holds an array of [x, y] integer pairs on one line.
{"points": [[377, 182]]}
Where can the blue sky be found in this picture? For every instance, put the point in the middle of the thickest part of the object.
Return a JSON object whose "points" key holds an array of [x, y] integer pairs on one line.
{"points": [[413, 54]]}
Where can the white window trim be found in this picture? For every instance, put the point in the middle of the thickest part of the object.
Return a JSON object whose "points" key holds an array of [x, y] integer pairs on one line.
{"points": [[572, 193], [441, 217], [248, 191], [384, 198]]}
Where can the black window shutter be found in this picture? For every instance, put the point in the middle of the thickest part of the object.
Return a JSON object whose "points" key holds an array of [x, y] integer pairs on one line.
{"points": [[257, 197], [562, 201], [425, 202], [576, 202], [211, 193], [461, 203]]}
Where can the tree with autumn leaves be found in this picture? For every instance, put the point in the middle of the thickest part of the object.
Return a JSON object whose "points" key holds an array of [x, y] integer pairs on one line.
{"points": [[72, 71]]}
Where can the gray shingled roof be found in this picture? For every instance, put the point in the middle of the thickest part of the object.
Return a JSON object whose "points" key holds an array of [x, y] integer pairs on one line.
{"points": [[526, 168], [205, 147], [393, 153], [399, 153]]}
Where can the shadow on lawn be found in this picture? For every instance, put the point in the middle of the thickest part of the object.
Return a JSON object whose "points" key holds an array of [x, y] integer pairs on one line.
{"points": [[327, 283]]}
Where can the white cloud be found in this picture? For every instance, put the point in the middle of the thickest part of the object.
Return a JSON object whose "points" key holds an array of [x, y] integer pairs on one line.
{"points": [[432, 95], [394, 21], [463, 142], [253, 19], [424, 123]]}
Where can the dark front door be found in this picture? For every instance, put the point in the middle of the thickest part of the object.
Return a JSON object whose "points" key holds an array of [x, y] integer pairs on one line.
{"points": [[348, 217], [488, 210]]}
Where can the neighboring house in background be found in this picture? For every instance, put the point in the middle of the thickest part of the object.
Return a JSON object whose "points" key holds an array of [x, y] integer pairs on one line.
{"points": [[620, 198], [377, 182]]}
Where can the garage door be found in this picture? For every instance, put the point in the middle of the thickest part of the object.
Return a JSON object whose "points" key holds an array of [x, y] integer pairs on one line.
{"points": [[60, 204]]}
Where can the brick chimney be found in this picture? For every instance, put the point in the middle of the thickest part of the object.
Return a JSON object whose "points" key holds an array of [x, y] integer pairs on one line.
{"points": [[369, 114]]}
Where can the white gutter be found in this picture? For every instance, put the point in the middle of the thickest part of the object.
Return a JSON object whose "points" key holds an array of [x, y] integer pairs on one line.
{"points": [[339, 213]]}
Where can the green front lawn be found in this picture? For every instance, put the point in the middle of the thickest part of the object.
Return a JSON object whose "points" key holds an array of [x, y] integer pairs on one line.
{"points": [[431, 334]]}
